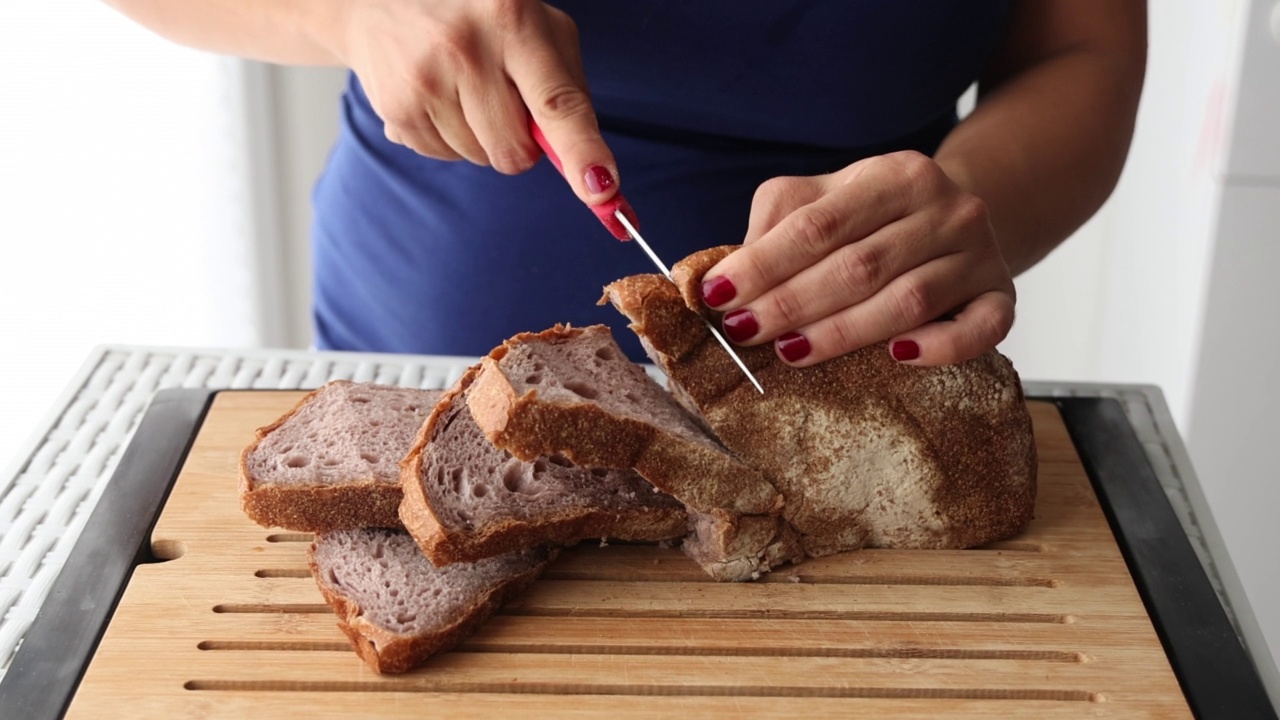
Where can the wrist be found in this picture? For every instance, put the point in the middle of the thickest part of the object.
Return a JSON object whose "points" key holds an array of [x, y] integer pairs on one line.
{"points": [[323, 25]]}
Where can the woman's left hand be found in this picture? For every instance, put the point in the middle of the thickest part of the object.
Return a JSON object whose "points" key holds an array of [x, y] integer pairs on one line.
{"points": [[888, 248]]}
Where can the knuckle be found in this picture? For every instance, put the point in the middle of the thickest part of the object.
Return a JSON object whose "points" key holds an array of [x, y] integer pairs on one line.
{"points": [[993, 326], [971, 212], [773, 190], [510, 160], [788, 307], [776, 197], [859, 267], [397, 117], [813, 230], [455, 47], [563, 23], [563, 101], [843, 335], [506, 16], [912, 305], [919, 169]]}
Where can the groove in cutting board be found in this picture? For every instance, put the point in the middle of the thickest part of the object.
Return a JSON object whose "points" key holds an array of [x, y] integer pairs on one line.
{"points": [[650, 690], [781, 577], [773, 651], [1029, 627]]}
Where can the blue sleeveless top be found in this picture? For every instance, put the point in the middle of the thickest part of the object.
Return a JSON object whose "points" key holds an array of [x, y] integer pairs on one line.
{"points": [[700, 103]]}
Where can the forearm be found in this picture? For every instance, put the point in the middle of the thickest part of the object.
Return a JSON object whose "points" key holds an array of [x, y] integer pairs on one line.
{"points": [[1045, 148], [292, 32]]}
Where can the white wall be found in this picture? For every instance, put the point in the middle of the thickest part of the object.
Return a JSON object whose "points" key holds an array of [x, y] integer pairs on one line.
{"points": [[1233, 426], [121, 199], [1120, 301]]}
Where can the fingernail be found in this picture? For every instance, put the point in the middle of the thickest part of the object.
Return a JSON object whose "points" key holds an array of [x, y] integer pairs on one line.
{"points": [[905, 350], [718, 291], [598, 179], [793, 346], [740, 325]]}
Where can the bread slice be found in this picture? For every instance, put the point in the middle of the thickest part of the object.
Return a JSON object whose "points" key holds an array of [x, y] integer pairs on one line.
{"points": [[332, 461], [465, 499], [571, 392], [866, 451], [398, 609]]}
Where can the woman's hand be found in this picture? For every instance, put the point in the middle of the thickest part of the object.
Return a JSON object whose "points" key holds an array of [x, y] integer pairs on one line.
{"points": [[888, 248], [458, 79]]}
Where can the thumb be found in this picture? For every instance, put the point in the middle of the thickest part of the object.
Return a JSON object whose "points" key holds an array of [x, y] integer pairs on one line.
{"points": [[559, 104]]}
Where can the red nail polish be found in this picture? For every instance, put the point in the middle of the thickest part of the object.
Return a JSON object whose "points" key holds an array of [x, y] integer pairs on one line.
{"points": [[793, 346], [718, 291], [740, 325], [905, 350], [598, 179]]}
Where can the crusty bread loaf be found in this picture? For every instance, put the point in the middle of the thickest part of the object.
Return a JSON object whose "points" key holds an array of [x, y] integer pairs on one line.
{"points": [[398, 609], [866, 451], [571, 392], [332, 462], [465, 499]]}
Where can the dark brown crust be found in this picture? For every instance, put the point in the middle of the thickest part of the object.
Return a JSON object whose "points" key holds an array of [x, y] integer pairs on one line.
{"points": [[987, 491], [527, 427], [314, 508], [444, 545], [390, 653], [372, 503]]}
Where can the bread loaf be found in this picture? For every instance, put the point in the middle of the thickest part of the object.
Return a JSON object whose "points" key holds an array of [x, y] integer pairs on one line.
{"points": [[867, 452]]}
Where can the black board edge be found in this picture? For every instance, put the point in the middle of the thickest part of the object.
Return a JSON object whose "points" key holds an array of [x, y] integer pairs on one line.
{"points": [[56, 650], [1210, 662]]}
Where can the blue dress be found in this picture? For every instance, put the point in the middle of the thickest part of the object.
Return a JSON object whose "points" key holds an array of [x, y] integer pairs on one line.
{"points": [[700, 103]]}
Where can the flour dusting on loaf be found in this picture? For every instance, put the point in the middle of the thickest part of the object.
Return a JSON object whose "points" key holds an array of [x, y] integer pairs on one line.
{"points": [[866, 452]]}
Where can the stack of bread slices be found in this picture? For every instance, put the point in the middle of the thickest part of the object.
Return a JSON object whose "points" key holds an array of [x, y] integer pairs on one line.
{"points": [[432, 508]]}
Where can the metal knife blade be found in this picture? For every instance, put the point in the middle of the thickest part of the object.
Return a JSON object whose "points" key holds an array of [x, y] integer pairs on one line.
{"points": [[637, 239], [613, 215]]}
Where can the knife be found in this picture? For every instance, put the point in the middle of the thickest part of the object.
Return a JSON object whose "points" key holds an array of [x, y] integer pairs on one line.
{"points": [[620, 220]]}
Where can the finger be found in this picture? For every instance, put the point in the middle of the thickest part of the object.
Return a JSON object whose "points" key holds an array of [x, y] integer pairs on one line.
{"points": [[422, 138], [850, 275], [853, 205], [557, 99], [450, 124], [975, 330], [775, 199], [919, 297], [497, 117]]}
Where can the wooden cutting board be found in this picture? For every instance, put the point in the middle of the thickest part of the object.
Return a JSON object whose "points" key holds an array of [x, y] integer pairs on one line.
{"points": [[1046, 625]]}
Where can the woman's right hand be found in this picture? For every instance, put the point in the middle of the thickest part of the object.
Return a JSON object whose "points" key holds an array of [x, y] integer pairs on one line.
{"points": [[458, 79]]}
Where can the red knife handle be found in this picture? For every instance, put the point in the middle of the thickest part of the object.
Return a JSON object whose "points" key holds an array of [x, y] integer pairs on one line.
{"points": [[605, 210]]}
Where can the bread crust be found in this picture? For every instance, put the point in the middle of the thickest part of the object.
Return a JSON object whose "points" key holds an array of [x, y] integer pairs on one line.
{"points": [[528, 427], [388, 652], [866, 451], [443, 544], [371, 503]]}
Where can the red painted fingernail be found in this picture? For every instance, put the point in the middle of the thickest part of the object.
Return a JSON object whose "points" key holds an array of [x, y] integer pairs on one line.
{"points": [[793, 346], [718, 291], [598, 179], [905, 350], [740, 325]]}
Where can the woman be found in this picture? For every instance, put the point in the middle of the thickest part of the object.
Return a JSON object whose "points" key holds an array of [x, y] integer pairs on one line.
{"points": [[822, 135]]}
